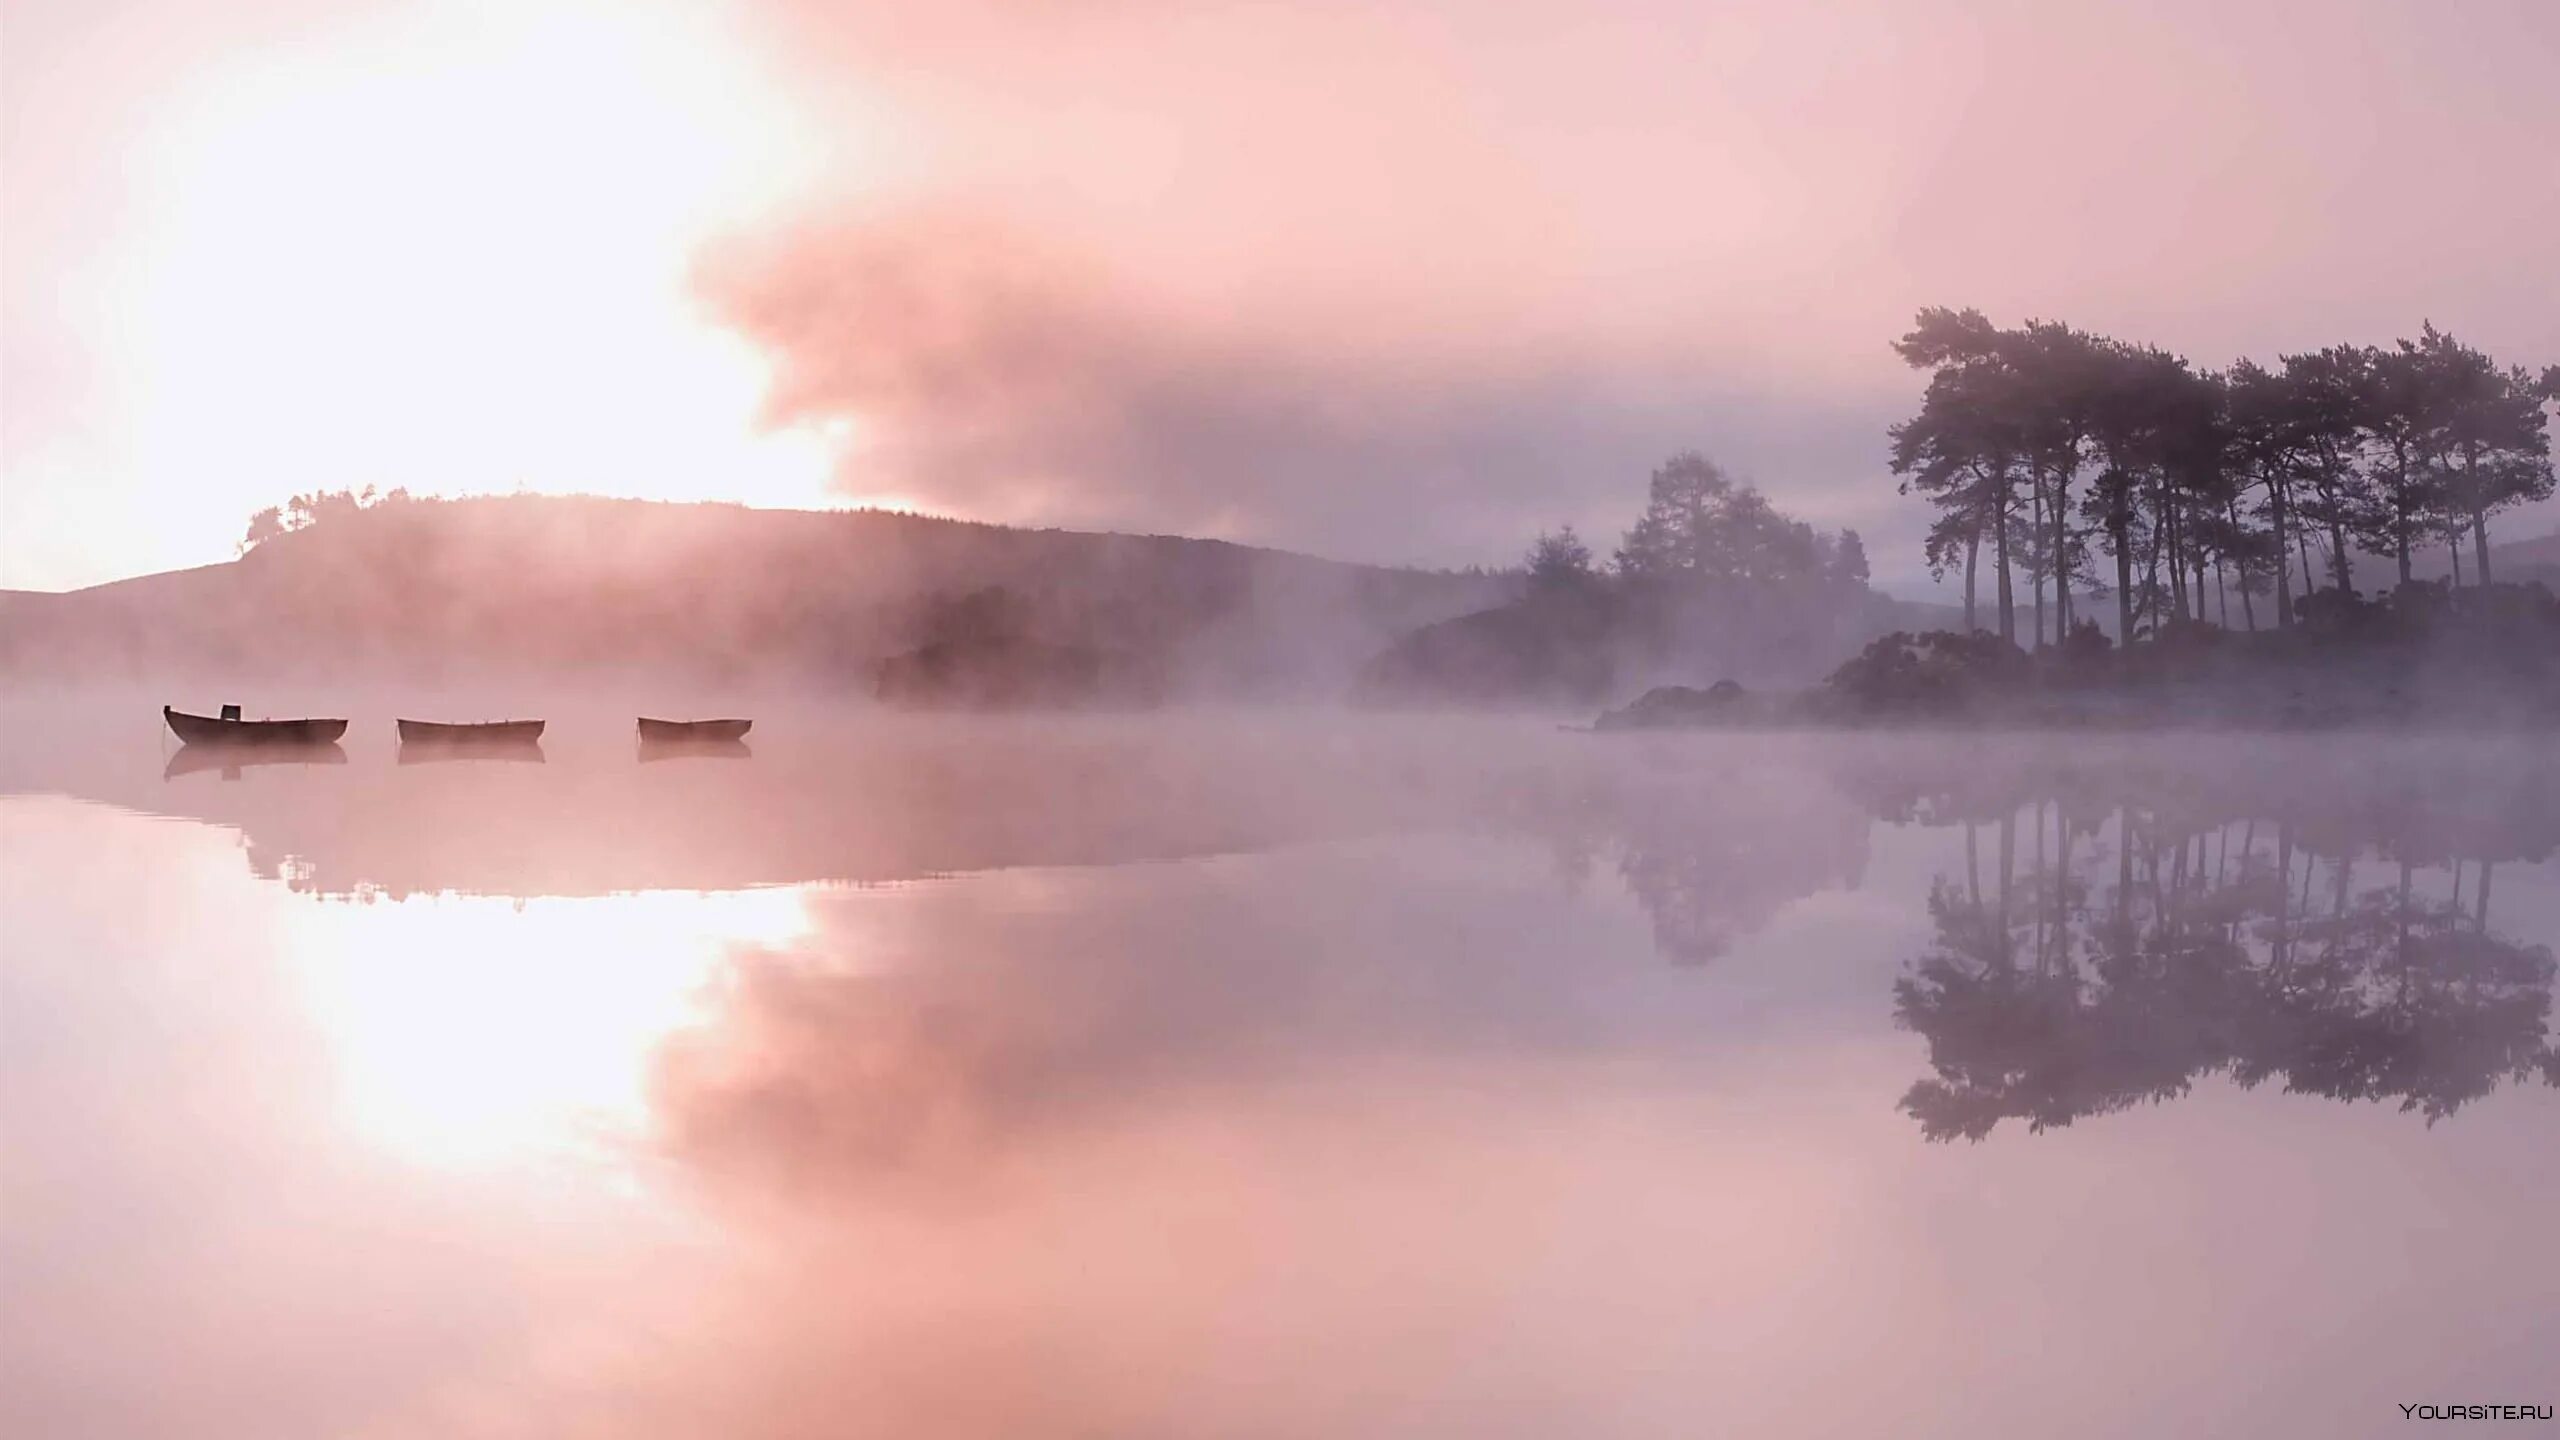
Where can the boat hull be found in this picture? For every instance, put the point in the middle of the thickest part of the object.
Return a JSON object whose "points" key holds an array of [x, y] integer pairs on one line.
{"points": [[486, 732], [662, 732], [206, 730]]}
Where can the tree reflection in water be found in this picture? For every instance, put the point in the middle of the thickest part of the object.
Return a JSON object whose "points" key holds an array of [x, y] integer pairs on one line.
{"points": [[1711, 853], [2339, 940]]}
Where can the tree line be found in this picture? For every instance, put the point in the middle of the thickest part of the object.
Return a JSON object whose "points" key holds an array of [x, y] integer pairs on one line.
{"points": [[1711, 578], [1703, 527], [304, 511], [2046, 449]]}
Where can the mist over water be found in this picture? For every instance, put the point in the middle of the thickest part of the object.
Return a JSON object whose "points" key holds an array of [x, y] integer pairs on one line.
{"points": [[1268, 1073], [1584, 734]]}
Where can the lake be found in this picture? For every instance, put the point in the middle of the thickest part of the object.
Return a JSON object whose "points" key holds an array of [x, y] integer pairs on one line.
{"points": [[1272, 1074]]}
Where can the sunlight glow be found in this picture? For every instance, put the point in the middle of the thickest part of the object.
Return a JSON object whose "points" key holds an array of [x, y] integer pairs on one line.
{"points": [[472, 1031], [405, 254]]}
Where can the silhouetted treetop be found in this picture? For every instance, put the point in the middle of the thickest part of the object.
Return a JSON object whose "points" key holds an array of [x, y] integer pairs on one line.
{"points": [[2042, 444]]}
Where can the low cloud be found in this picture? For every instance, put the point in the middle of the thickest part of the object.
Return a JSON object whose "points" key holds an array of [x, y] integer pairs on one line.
{"points": [[987, 374], [1413, 281]]}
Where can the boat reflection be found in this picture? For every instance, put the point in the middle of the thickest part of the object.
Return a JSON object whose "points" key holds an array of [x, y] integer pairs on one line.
{"points": [[899, 803], [654, 750], [439, 752], [231, 760]]}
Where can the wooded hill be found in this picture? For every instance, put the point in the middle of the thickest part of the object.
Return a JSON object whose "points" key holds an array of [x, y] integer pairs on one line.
{"points": [[556, 586]]}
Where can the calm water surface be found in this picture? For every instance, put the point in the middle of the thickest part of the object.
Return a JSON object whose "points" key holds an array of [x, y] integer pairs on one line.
{"points": [[1273, 1076]]}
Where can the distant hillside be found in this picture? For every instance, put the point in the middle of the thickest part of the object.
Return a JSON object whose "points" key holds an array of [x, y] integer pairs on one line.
{"points": [[553, 585], [2515, 562]]}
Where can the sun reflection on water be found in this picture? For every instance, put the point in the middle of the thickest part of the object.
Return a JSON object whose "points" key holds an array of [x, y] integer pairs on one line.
{"points": [[474, 1031]]}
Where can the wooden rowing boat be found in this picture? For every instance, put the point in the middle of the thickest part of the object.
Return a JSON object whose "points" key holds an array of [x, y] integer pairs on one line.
{"points": [[230, 729], [479, 732], [659, 732]]}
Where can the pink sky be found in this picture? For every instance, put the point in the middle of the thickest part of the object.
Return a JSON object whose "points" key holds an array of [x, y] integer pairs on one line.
{"points": [[1397, 282]]}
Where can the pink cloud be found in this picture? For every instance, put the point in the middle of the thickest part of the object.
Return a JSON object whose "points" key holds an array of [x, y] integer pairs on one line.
{"points": [[1418, 279]]}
